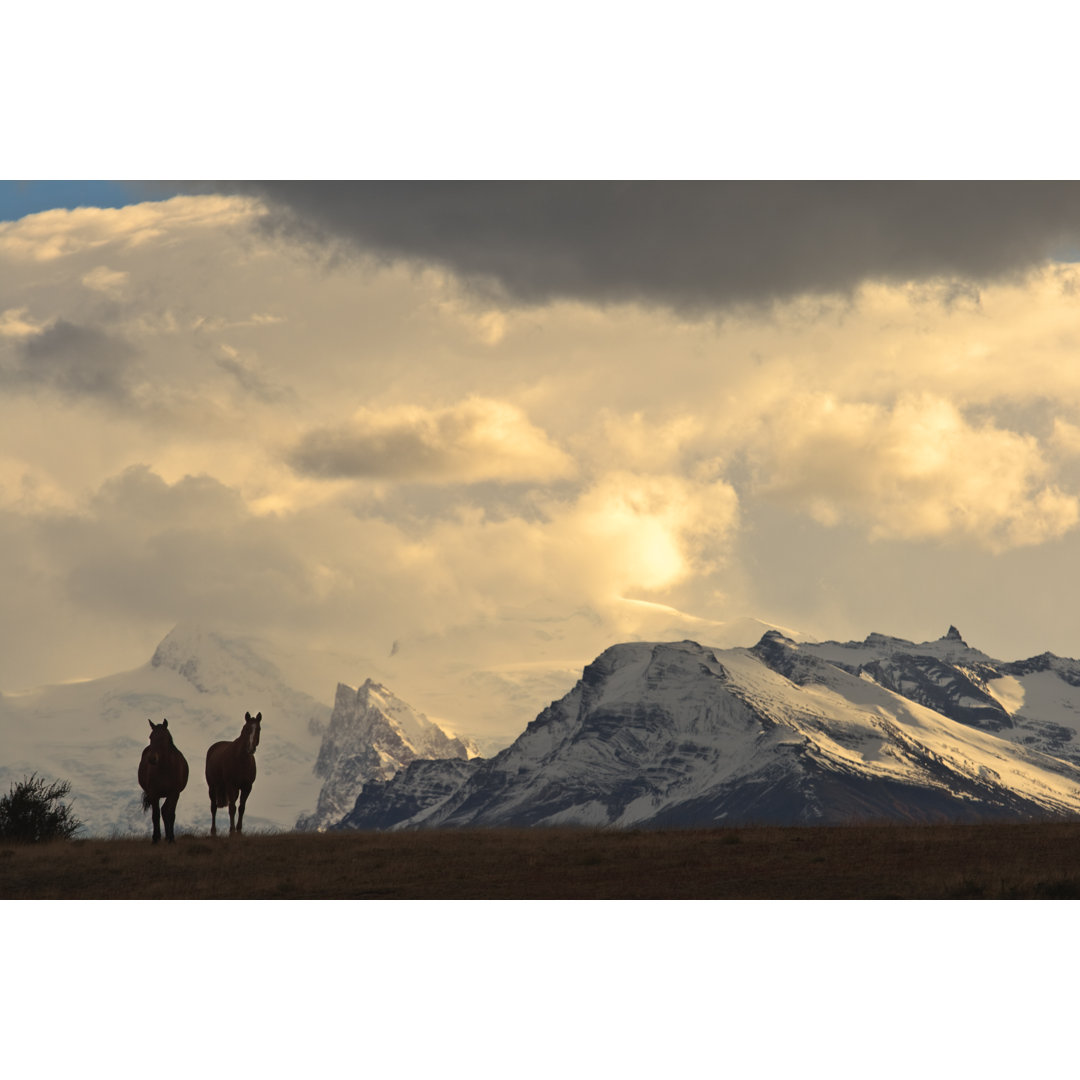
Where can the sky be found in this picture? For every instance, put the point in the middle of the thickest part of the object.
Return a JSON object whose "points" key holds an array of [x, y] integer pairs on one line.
{"points": [[464, 436]]}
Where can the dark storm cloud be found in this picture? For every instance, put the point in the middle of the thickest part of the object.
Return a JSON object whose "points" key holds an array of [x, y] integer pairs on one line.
{"points": [[76, 361], [337, 453], [690, 245]]}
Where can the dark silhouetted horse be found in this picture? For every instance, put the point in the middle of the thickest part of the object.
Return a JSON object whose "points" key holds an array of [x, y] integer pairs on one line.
{"points": [[163, 774], [230, 771]]}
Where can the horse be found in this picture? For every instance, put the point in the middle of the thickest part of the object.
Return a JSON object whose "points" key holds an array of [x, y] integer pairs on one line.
{"points": [[163, 774], [230, 771]]}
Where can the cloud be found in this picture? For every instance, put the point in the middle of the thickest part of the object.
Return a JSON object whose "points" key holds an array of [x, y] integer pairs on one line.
{"points": [[75, 361], [524, 469], [915, 470], [1065, 438], [247, 375], [693, 246], [103, 280], [622, 535], [650, 532], [26, 489], [57, 234], [477, 439], [145, 549], [14, 324]]}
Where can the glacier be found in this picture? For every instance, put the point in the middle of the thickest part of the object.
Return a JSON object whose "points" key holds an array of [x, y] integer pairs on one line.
{"points": [[92, 733]]}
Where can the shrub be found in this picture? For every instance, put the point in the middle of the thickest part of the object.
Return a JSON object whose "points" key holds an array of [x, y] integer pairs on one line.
{"points": [[28, 814]]}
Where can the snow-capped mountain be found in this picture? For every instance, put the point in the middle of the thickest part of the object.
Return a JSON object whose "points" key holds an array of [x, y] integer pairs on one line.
{"points": [[677, 734], [1034, 702], [92, 733], [372, 734]]}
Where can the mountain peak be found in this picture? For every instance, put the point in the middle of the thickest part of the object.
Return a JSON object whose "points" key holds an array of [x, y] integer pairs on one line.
{"points": [[212, 663], [954, 635], [371, 735]]}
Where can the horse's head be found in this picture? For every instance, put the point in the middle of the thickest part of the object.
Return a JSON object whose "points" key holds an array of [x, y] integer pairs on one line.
{"points": [[250, 734], [160, 740]]}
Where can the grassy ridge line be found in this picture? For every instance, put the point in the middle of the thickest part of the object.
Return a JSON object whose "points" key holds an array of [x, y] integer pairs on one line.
{"points": [[1035, 861]]}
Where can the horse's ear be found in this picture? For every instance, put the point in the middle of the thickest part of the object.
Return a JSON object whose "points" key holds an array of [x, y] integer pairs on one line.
{"points": [[150, 722], [164, 723], [247, 718], [258, 719]]}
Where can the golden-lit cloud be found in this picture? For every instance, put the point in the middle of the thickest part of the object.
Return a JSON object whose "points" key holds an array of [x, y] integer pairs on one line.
{"points": [[55, 234], [109, 282], [1065, 438], [477, 439], [658, 446], [14, 324], [916, 470]]}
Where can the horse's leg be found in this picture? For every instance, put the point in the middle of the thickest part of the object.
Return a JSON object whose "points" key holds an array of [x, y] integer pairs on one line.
{"points": [[244, 792], [156, 812], [232, 812], [168, 812], [213, 816]]}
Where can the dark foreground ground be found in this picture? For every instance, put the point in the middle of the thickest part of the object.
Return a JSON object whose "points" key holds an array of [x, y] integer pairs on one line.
{"points": [[1040, 861]]}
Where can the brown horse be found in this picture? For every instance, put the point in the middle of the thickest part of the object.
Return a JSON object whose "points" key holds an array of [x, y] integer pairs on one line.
{"points": [[163, 774], [230, 771]]}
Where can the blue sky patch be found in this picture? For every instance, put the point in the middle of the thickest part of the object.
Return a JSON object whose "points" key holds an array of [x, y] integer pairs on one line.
{"points": [[21, 197]]}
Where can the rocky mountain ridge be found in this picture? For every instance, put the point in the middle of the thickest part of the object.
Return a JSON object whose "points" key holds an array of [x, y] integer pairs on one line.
{"points": [[372, 735], [675, 733]]}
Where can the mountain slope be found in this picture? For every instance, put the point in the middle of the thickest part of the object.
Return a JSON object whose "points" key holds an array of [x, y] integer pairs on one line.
{"points": [[1034, 703], [678, 734], [93, 733], [372, 734], [408, 794]]}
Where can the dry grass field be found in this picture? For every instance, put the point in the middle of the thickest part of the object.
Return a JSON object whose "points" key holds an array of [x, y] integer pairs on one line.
{"points": [[1037, 861]]}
